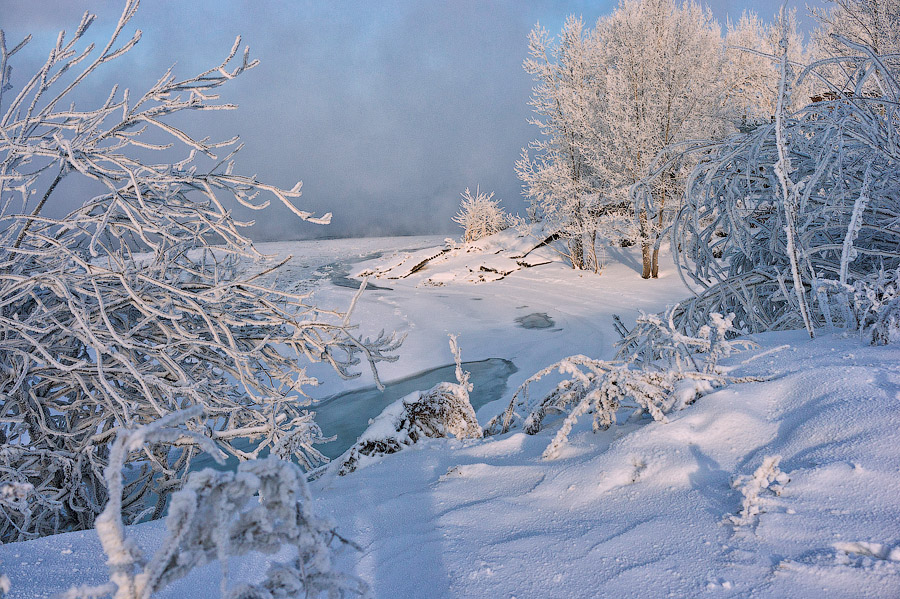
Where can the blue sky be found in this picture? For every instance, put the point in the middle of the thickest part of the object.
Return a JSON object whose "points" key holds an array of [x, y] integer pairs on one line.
{"points": [[386, 110]]}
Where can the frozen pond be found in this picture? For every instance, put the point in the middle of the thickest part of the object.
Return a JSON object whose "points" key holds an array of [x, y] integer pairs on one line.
{"points": [[347, 414]]}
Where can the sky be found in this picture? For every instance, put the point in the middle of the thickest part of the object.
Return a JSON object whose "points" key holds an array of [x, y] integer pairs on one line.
{"points": [[385, 109]]}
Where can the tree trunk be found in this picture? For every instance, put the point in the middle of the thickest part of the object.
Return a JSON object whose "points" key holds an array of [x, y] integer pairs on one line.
{"points": [[645, 255], [645, 245], [654, 267], [577, 251]]}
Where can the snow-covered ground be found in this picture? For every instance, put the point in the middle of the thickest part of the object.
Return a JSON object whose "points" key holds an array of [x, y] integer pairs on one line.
{"points": [[642, 510]]}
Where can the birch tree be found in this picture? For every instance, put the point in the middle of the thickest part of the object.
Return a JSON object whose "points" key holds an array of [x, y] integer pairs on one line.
{"points": [[663, 63], [139, 303], [752, 73], [872, 23], [609, 100], [557, 178]]}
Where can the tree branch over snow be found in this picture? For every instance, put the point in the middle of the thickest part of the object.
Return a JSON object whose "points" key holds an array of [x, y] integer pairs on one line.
{"points": [[263, 507], [138, 303]]}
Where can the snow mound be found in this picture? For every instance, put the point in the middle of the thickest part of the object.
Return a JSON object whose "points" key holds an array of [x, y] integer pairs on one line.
{"points": [[488, 259], [784, 488]]}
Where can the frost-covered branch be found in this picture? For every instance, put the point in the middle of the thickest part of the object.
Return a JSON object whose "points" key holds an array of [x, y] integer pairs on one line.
{"points": [[140, 302], [660, 370], [263, 507], [768, 477]]}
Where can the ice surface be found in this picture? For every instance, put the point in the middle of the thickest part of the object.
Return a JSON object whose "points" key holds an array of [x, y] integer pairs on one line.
{"points": [[535, 320], [347, 415]]}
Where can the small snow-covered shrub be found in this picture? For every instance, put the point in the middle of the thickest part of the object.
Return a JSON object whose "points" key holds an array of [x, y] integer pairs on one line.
{"points": [[661, 370], [137, 304], [480, 215], [767, 477], [656, 338], [874, 304], [441, 411], [887, 328], [263, 507]]}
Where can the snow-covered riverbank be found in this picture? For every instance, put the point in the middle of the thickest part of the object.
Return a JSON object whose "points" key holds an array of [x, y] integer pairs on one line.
{"points": [[642, 510]]}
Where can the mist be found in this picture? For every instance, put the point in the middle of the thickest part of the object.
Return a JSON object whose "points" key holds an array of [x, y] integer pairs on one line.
{"points": [[385, 110]]}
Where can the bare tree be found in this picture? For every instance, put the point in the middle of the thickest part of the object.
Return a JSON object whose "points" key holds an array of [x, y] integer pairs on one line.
{"points": [[138, 303]]}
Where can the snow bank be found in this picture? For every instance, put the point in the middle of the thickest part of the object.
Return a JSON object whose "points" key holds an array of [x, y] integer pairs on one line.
{"points": [[489, 259], [655, 511]]}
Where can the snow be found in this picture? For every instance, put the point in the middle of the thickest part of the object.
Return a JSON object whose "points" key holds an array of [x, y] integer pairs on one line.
{"points": [[645, 509]]}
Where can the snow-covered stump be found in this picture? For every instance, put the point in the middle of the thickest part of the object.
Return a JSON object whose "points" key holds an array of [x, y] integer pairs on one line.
{"points": [[442, 411]]}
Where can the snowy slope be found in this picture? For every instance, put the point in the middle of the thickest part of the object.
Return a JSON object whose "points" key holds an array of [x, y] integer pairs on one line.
{"points": [[638, 511], [644, 513]]}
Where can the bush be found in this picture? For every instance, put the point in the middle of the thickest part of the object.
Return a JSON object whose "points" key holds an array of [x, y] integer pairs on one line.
{"points": [[784, 225], [480, 215], [263, 507], [660, 370], [137, 304]]}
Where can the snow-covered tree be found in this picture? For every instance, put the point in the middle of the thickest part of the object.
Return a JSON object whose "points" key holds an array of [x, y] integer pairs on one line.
{"points": [[480, 215], [557, 179], [139, 302], [664, 62], [659, 370], [752, 72], [872, 23], [608, 101]]}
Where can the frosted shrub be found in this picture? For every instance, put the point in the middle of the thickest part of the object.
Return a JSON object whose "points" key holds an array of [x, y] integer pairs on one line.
{"points": [[441, 411], [779, 225], [480, 215], [887, 328], [136, 304], [655, 337], [768, 477], [662, 370], [263, 507], [874, 305]]}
